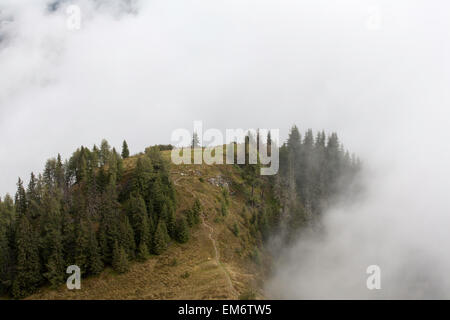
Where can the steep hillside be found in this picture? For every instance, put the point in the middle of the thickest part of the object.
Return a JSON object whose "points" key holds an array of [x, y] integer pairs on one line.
{"points": [[220, 261]]}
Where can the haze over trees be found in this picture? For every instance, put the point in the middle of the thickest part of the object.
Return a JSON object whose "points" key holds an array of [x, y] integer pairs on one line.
{"points": [[91, 212]]}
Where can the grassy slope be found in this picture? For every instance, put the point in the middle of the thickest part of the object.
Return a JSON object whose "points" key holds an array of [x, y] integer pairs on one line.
{"points": [[191, 270]]}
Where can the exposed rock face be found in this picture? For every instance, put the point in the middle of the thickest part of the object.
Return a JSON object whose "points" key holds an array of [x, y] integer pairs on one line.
{"points": [[219, 181]]}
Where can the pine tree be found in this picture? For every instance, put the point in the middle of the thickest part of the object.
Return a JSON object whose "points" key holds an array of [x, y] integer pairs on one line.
{"points": [[21, 199], [269, 143], [137, 211], [120, 259], [160, 239], [28, 268], [189, 217], [126, 237], [157, 196], [82, 247], [182, 231], [195, 140], [7, 211], [142, 254], [95, 261], [142, 175], [59, 172], [55, 265], [170, 221], [125, 151], [105, 152], [5, 261], [196, 211]]}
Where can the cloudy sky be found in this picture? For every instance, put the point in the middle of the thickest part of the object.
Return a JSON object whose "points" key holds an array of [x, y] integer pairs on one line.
{"points": [[377, 72], [137, 70]]}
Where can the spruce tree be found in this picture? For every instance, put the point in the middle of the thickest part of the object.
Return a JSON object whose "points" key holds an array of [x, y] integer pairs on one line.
{"points": [[189, 217], [82, 247], [120, 259], [195, 140], [95, 261], [55, 266], [5, 261], [137, 211], [182, 231], [170, 222], [105, 152], [28, 268], [196, 211], [142, 253], [160, 238], [125, 151], [21, 199], [126, 237]]}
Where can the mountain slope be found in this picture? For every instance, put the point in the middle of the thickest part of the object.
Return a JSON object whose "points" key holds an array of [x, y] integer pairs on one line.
{"points": [[214, 264]]}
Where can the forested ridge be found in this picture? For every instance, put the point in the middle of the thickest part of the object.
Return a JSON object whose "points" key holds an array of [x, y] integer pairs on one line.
{"points": [[86, 212], [92, 212], [315, 172]]}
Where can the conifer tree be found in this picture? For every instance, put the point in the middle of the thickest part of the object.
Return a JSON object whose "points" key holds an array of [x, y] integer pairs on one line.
{"points": [[137, 211], [7, 211], [5, 261], [21, 199], [195, 140], [196, 211], [269, 144], [82, 247], [120, 261], [160, 239], [95, 262], [182, 231], [142, 175], [125, 151], [59, 172], [28, 268], [189, 217], [126, 237], [105, 152], [55, 266], [170, 221], [142, 253]]}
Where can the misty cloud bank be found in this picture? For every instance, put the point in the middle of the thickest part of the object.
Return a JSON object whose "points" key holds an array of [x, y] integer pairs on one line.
{"points": [[140, 69]]}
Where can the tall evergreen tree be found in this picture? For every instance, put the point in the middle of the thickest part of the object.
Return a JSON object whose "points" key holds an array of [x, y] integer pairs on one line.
{"points": [[105, 152], [160, 239], [6, 261], [125, 150], [95, 261], [126, 237], [120, 261], [195, 140], [182, 231], [21, 199], [137, 211], [28, 268]]}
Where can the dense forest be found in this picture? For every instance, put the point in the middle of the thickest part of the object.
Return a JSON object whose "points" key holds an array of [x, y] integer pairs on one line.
{"points": [[85, 212], [91, 212], [315, 171]]}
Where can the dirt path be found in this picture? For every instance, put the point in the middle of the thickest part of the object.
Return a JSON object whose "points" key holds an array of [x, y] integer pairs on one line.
{"points": [[216, 250], [217, 258]]}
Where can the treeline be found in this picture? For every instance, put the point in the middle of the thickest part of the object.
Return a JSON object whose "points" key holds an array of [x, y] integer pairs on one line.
{"points": [[89, 212], [315, 170]]}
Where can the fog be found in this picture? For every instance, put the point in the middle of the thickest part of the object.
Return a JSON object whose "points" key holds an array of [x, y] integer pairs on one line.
{"points": [[376, 72]]}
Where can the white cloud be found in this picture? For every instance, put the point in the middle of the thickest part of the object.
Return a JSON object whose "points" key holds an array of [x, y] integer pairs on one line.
{"points": [[139, 74]]}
